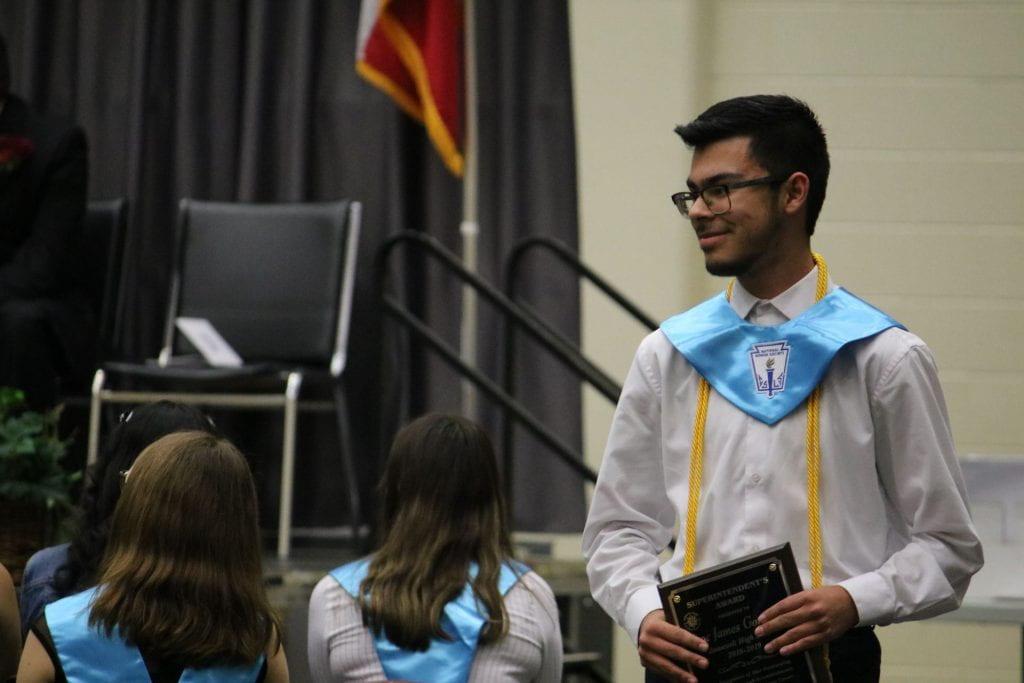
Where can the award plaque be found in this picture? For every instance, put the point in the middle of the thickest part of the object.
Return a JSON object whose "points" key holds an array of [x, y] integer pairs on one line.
{"points": [[721, 604]]}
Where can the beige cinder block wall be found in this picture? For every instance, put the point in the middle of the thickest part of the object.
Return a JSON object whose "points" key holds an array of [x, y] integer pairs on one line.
{"points": [[923, 105]]}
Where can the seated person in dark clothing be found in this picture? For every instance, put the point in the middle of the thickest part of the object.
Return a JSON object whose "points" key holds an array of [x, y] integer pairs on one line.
{"points": [[46, 321], [180, 594]]}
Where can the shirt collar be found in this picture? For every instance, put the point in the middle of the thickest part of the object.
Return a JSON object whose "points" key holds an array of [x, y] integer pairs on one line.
{"points": [[791, 303]]}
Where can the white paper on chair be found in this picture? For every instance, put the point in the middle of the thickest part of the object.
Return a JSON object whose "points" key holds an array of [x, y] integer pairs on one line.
{"points": [[207, 340]]}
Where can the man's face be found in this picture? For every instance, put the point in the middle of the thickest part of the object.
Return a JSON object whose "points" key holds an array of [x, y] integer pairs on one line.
{"points": [[739, 240]]}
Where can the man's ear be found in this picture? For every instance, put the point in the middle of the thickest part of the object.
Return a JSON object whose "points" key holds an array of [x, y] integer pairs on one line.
{"points": [[793, 196]]}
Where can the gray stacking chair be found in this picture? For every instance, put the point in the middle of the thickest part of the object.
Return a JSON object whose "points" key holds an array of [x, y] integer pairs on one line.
{"points": [[276, 282]]}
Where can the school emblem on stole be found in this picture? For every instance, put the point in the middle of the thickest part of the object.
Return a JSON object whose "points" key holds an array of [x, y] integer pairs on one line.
{"points": [[769, 362]]}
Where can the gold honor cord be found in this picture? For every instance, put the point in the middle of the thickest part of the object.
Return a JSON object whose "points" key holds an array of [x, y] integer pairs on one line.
{"points": [[813, 460], [696, 470]]}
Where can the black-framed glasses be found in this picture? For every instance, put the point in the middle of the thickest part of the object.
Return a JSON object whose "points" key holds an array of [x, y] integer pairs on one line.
{"points": [[716, 197]]}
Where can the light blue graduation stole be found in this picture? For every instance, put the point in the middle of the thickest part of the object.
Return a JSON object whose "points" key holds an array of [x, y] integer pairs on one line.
{"points": [[88, 655], [767, 371], [444, 661]]}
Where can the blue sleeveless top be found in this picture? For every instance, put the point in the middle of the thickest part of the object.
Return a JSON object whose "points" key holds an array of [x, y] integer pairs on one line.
{"points": [[444, 661], [767, 371], [87, 655]]}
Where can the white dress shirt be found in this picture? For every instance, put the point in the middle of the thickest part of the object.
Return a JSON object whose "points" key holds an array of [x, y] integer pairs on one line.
{"points": [[896, 530]]}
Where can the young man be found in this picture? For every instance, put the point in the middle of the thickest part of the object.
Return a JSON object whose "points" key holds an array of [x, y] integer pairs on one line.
{"points": [[748, 430]]}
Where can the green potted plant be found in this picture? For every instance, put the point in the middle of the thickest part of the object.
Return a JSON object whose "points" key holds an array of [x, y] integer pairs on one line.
{"points": [[35, 487]]}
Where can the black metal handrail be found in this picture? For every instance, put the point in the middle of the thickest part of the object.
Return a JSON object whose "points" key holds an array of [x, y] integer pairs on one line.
{"points": [[513, 312], [610, 388], [572, 260]]}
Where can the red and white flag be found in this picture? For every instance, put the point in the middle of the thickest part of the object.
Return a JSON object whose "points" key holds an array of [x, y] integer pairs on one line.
{"points": [[412, 50]]}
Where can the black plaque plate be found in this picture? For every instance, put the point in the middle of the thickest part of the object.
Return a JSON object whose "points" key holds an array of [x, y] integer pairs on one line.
{"points": [[721, 604]]}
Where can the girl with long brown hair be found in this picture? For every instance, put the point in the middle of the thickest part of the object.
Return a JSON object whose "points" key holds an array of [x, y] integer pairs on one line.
{"points": [[441, 599], [180, 591], [61, 570]]}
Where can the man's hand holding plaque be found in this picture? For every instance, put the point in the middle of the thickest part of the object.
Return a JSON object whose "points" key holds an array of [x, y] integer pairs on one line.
{"points": [[735, 607], [663, 646], [807, 619]]}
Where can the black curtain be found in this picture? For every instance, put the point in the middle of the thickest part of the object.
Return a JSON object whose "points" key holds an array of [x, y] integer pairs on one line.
{"points": [[258, 100]]}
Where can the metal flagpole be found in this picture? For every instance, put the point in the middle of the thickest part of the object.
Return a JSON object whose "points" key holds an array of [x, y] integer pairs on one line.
{"points": [[469, 229]]}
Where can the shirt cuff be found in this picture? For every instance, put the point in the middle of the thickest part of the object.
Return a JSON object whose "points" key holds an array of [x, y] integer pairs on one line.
{"points": [[872, 597], [640, 604]]}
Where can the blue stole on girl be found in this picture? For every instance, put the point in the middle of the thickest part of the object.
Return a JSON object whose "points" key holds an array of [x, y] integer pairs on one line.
{"points": [[767, 371], [88, 655], [444, 661]]}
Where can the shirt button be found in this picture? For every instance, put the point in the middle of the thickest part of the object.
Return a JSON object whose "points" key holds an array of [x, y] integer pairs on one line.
{"points": [[756, 478]]}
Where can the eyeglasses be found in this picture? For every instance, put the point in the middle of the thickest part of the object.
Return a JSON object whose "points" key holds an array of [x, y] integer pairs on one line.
{"points": [[716, 197]]}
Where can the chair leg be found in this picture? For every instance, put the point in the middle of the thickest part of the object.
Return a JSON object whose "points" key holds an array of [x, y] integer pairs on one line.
{"points": [[95, 408], [347, 462], [291, 409]]}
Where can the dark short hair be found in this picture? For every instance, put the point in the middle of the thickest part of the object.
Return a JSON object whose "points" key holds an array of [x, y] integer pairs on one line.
{"points": [[5, 69], [785, 137]]}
